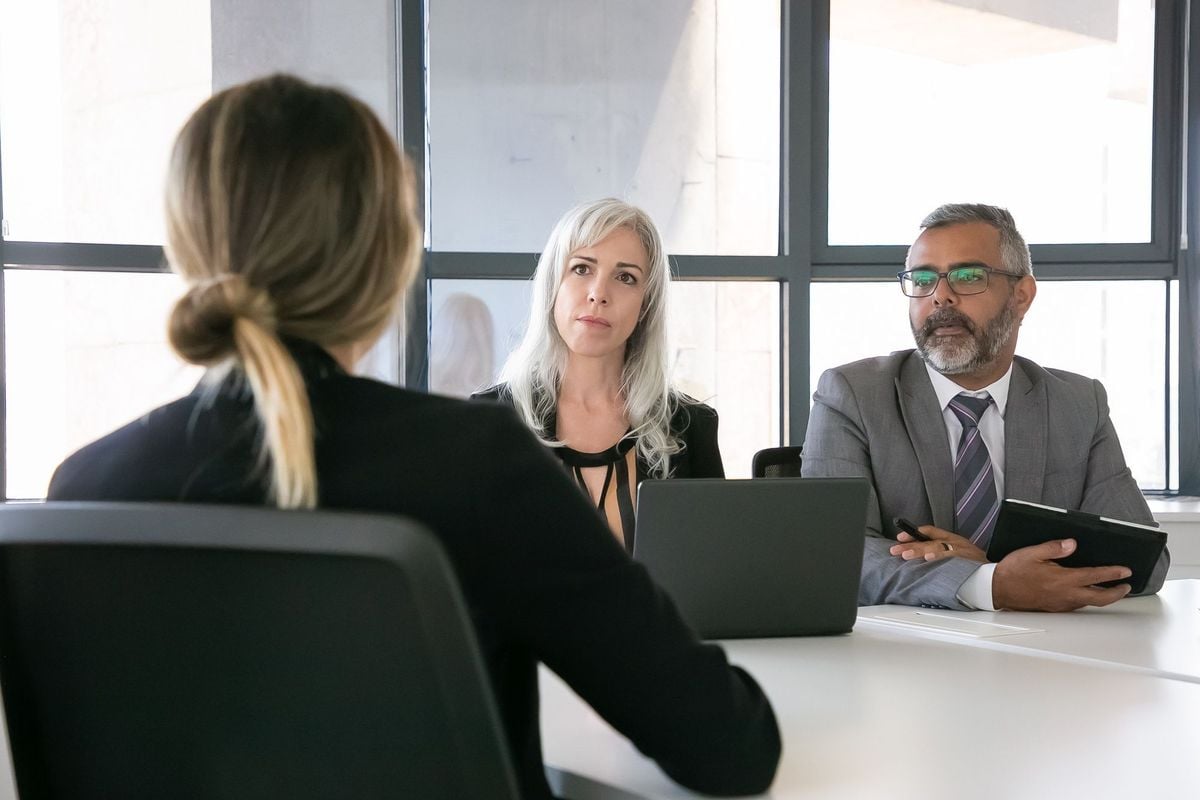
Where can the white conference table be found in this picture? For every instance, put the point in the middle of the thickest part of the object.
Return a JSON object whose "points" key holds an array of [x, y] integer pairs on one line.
{"points": [[1158, 635], [1099, 703], [895, 712]]}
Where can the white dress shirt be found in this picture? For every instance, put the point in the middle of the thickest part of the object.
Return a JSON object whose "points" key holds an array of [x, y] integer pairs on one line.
{"points": [[976, 591]]}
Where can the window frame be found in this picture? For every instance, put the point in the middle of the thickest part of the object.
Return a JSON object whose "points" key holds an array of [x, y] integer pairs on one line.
{"points": [[1158, 258], [804, 256]]}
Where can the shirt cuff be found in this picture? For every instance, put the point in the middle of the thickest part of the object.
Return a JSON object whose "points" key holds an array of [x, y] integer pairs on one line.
{"points": [[976, 591]]}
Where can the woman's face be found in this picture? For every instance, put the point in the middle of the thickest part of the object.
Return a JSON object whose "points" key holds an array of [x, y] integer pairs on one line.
{"points": [[600, 298]]}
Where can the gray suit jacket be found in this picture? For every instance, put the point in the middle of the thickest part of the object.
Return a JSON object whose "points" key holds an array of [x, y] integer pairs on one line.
{"points": [[879, 418]]}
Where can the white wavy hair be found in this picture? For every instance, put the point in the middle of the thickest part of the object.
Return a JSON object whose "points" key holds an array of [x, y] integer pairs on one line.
{"points": [[534, 370]]}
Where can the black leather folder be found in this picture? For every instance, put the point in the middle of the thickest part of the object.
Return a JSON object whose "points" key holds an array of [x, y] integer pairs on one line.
{"points": [[1102, 542]]}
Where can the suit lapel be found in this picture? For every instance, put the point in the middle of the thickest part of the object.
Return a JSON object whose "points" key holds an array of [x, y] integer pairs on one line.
{"points": [[1025, 430], [923, 420]]}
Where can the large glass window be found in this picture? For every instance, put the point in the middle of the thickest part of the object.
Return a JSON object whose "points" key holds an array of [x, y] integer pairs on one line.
{"points": [[516, 111], [1115, 331], [849, 321], [726, 349], [538, 105], [85, 352], [93, 94], [1044, 108]]}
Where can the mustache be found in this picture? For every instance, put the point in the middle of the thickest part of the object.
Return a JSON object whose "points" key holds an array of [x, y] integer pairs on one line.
{"points": [[946, 317]]}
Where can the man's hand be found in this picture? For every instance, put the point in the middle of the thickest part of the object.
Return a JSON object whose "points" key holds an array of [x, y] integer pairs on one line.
{"points": [[1029, 580], [942, 544]]}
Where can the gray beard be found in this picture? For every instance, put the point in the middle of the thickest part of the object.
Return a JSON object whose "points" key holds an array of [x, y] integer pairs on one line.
{"points": [[960, 356]]}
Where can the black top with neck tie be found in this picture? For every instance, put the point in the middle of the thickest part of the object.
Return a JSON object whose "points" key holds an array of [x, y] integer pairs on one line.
{"points": [[693, 423]]}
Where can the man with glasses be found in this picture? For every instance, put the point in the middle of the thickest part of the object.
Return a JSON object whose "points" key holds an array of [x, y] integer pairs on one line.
{"points": [[946, 431]]}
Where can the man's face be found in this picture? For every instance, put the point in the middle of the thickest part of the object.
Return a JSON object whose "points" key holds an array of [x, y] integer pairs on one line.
{"points": [[966, 334]]}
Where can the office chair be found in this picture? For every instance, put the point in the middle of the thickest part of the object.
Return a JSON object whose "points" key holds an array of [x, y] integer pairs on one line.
{"points": [[153, 651], [776, 462]]}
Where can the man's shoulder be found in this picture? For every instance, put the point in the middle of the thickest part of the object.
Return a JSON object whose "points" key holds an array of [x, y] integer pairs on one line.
{"points": [[877, 369], [1055, 380]]}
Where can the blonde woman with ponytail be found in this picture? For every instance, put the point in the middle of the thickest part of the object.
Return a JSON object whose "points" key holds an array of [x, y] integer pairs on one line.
{"points": [[290, 217], [591, 375]]}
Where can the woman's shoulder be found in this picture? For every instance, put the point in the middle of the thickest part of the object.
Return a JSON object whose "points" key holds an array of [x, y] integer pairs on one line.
{"points": [[688, 410], [116, 463], [694, 425], [497, 393]]}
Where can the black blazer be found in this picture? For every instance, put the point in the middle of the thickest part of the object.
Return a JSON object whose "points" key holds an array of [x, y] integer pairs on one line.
{"points": [[693, 423], [544, 579]]}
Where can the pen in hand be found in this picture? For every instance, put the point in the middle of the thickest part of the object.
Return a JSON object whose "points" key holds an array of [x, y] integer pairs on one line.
{"points": [[910, 529]]}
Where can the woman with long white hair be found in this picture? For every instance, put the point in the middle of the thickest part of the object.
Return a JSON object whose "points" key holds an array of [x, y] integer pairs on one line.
{"points": [[591, 375], [290, 218]]}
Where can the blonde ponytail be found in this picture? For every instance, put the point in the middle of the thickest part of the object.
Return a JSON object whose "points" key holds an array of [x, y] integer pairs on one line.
{"points": [[290, 216], [281, 402], [225, 322]]}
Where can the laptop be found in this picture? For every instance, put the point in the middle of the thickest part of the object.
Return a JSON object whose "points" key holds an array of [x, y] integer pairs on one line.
{"points": [[755, 558]]}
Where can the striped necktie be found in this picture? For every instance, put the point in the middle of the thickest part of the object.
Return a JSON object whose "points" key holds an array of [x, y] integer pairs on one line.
{"points": [[976, 504]]}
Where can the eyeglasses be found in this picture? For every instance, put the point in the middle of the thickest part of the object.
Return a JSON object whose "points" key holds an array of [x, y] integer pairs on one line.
{"points": [[961, 280]]}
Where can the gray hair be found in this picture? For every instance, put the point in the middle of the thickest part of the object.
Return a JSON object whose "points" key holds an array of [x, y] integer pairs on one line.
{"points": [[535, 368], [1014, 253]]}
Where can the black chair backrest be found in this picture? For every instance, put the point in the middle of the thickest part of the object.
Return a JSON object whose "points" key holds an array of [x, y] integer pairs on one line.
{"points": [[776, 462], [153, 651]]}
